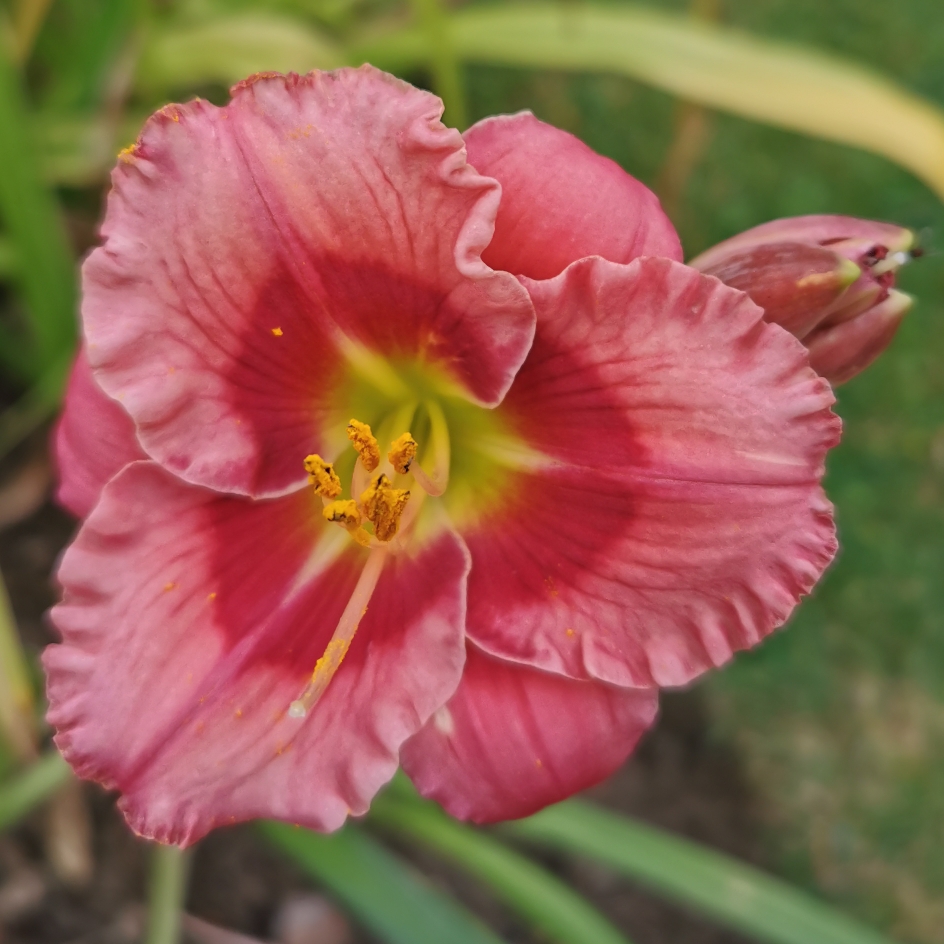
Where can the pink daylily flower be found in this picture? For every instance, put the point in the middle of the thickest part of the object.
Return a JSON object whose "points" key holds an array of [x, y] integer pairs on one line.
{"points": [[616, 480]]}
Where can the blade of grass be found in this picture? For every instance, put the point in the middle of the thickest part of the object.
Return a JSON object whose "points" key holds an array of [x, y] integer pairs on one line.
{"points": [[447, 76], [734, 894], [26, 790], [378, 888], [29, 210], [228, 48], [786, 85], [534, 893], [16, 691]]}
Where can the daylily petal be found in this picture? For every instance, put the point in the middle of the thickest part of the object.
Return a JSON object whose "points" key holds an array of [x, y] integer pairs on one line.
{"points": [[93, 441], [514, 739], [190, 623], [562, 201], [255, 252], [676, 515]]}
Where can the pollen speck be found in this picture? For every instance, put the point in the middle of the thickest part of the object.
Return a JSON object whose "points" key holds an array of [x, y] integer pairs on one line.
{"points": [[551, 588], [570, 632], [238, 713], [126, 155], [277, 332], [169, 586], [537, 762], [344, 513], [364, 443], [211, 596]]}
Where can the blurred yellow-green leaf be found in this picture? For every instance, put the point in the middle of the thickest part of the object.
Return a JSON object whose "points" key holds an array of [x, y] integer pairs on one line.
{"points": [[224, 50], [789, 86]]}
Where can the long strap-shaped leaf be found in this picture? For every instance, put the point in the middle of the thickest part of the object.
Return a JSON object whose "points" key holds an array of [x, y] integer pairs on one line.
{"points": [[724, 68], [29, 212], [543, 900], [38, 782], [379, 888], [735, 894]]}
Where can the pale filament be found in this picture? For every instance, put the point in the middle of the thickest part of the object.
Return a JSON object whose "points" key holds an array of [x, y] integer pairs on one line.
{"points": [[434, 483], [335, 651]]}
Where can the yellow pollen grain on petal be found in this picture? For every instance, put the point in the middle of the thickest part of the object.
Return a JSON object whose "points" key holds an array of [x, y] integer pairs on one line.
{"points": [[402, 453], [127, 155], [277, 332], [365, 444], [570, 632], [322, 476], [211, 596], [169, 586], [383, 506]]}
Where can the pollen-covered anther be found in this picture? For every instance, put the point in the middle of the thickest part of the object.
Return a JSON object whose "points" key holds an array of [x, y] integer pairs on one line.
{"points": [[322, 476], [383, 505], [365, 444], [402, 453], [346, 513]]}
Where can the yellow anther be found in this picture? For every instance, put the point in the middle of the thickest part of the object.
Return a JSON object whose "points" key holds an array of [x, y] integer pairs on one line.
{"points": [[348, 515], [344, 513], [383, 505], [402, 453], [321, 474], [364, 443]]}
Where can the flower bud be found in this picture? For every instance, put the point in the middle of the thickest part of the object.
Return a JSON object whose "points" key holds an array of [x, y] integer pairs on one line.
{"points": [[828, 280]]}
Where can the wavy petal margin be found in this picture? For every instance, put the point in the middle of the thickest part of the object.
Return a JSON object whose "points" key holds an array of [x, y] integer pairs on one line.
{"points": [[253, 251], [190, 622], [677, 515], [514, 739]]}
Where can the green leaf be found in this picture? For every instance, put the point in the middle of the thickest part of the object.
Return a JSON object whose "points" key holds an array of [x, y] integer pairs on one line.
{"points": [[226, 49], [46, 272], [735, 894], [381, 890], [543, 900], [28, 789], [780, 84], [94, 53]]}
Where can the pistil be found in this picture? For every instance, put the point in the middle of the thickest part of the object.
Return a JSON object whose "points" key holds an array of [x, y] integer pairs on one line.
{"points": [[336, 650]]}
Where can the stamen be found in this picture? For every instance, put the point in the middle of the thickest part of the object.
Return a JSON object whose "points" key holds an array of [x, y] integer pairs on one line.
{"points": [[321, 474], [336, 650], [435, 484], [348, 515], [364, 443], [383, 505], [402, 453]]}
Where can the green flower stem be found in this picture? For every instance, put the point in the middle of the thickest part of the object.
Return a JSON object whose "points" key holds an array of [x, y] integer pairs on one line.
{"points": [[539, 897], [447, 76], [170, 868], [28, 789]]}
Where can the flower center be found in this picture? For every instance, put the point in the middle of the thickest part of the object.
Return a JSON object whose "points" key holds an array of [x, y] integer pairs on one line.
{"points": [[381, 506]]}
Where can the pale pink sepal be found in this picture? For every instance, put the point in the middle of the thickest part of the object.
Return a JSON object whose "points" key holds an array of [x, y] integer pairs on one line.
{"points": [[191, 621], [514, 739], [677, 513], [562, 201], [93, 441], [251, 250]]}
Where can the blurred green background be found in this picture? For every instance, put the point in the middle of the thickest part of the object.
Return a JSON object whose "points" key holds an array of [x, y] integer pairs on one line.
{"points": [[840, 719]]}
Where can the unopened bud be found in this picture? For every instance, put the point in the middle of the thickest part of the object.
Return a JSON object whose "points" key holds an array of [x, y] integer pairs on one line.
{"points": [[828, 280]]}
